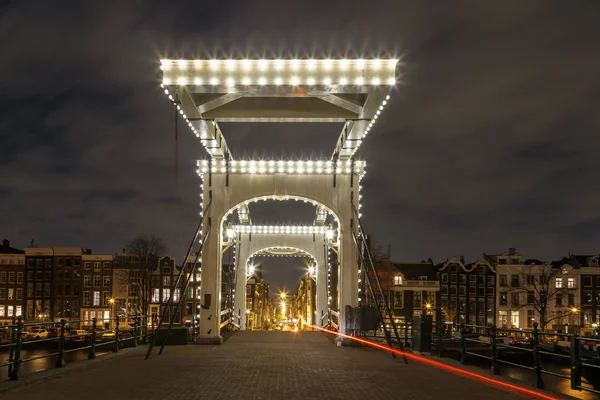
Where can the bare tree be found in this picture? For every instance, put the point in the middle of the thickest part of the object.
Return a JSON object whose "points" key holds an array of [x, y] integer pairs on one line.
{"points": [[147, 249], [539, 283]]}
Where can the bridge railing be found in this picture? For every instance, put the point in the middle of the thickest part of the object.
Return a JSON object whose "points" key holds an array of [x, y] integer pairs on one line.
{"points": [[67, 336]]}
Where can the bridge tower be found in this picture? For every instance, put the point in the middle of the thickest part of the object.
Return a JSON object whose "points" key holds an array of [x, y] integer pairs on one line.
{"points": [[208, 92]]}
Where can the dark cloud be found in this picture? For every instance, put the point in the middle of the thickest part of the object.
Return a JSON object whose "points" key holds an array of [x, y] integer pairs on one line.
{"points": [[490, 141]]}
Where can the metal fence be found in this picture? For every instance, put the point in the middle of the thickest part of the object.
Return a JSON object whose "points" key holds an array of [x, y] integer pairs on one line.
{"points": [[536, 343], [59, 336]]}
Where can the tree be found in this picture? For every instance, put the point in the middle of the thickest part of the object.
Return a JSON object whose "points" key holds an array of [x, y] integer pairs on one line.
{"points": [[147, 249], [538, 281]]}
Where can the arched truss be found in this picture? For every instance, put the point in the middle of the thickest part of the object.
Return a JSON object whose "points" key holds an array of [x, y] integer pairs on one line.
{"points": [[281, 251]]}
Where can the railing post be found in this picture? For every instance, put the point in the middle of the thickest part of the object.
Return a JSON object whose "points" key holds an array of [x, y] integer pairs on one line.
{"points": [[116, 334], [60, 362], [405, 331], [492, 335], [92, 353], [16, 369], [537, 367], [440, 339], [11, 348], [463, 344], [575, 363], [135, 330]]}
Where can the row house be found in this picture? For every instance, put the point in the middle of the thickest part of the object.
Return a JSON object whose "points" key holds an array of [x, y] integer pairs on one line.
{"points": [[588, 267], [162, 287], [414, 289], [304, 306], [65, 290], [12, 272], [38, 296], [468, 291], [97, 288]]}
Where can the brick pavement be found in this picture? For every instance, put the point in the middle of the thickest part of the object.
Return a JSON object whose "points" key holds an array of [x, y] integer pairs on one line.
{"points": [[258, 365]]}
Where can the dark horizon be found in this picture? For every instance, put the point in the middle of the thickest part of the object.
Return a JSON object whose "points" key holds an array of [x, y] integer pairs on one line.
{"points": [[489, 141]]}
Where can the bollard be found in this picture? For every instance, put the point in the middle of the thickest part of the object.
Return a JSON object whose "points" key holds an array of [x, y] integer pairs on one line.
{"points": [[492, 335], [116, 334], [60, 362], [537, 367], [16, 369], [575, 364], [463, 344], [92, 353]]}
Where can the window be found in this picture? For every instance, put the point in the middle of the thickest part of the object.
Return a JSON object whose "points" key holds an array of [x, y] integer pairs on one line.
{"points": [[87, 280], [166, 293], [2, 293], [19, 277], [47, 263], [490, 292], [502, 261], [30, 290], [587, 296], [3, 277], [453, 290], [530, 297], [2, 310], [514, 300], [68, 262], [86, 298], [96, 298], [444, 290], [76, 275], [177, 294], [491, 280], [462, 291], [530, 279], [473, 290], [97, 281], [571, 283], [30, 263], [166, 281], [481, 280], [67, 275], [571, 299], [530, 318], [188, 308], [18, 311], [96, 266], [514, 280], [105, 297], [462, 279], [453, 278], [106, 281], [30, 275], [587, 281], [444, 278], [559, 300], [514, 319], [503, 298], [46, 290], [156, 295], [11, 277], [166, 270], [503, 319], [106, 265], [473, 280], [87, 265], [558, 283], [38, 263], [417, 300], [67, 289], [587, 319], [10, 310], [398, 280], [76, 289], [11, 294]]}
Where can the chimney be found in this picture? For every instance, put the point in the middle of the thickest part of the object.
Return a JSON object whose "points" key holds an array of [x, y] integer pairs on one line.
{"points": [[512, 251], [462, 259], [5, 244]]}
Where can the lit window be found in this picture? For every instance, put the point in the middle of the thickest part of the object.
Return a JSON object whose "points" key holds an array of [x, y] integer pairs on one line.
{"points": [[571, 283], [559, 283], [96, 298], [398, 280]]}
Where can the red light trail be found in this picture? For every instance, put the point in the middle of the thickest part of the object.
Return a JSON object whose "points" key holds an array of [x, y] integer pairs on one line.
{"points": [[446, 367]]}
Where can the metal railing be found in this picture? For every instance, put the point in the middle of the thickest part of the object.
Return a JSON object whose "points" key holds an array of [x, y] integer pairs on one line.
{"points": [[67, 336], [497, 339]]}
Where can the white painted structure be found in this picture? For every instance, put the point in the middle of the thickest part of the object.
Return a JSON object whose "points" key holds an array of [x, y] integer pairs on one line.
{"points": [[206, 92]]}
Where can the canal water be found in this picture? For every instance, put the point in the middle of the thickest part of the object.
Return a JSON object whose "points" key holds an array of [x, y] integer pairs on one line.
{"points": [[42, 364]]}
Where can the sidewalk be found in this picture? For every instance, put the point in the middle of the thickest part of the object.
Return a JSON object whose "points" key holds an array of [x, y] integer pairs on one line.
{"points": [[259, 365]]}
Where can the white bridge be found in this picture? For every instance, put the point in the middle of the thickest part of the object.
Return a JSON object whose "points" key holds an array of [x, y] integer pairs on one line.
{"points": [[351, 92]]}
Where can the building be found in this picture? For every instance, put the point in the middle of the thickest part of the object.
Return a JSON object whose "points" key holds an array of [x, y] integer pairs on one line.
{"points": [[131, 276], [163, 281], [96, 298], [193, 301], [257, 299], [588, 294], [303, 306], [39, 305], [12, 286], [414, 289], [468, 291], [67, 297]]}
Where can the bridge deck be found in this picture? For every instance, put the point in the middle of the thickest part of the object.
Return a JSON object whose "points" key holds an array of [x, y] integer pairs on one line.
{"points": [[258, 365]]}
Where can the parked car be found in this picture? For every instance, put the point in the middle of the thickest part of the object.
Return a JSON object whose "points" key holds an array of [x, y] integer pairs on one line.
{"points": [[36, 334], [77, 335]]}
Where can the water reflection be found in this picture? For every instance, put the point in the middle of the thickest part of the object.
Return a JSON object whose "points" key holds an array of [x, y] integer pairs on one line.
{"points": [[42, 364]]}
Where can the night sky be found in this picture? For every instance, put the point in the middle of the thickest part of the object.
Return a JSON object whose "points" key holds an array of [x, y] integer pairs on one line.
{"points": [[490, 141]]}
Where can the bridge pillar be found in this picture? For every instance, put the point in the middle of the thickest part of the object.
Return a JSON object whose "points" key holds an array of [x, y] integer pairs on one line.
{"points": [[321, 286], [348, 268]]}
